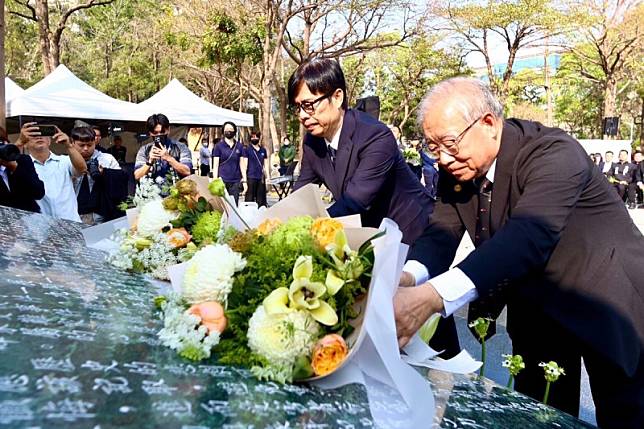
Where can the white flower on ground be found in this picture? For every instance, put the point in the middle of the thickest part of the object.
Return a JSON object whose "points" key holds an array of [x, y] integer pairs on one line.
{"points": [[153, 218], [209, 274], [282, 338]]}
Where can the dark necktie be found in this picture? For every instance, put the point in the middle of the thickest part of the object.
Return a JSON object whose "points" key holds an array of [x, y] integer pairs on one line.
{"points": [[332, 153], [489, 307]]}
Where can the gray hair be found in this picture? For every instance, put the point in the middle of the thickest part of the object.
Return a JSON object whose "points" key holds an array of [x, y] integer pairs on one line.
{"points": [[479, 100]]}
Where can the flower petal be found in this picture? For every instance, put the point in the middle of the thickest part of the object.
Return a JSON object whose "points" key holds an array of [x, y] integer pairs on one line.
{"points": [[325, 314], [276, 302], [333, 283], [303, 268]]}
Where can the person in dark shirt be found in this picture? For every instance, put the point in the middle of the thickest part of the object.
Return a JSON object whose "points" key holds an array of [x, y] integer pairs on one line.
{"points": [[118, 151], [20, 185], [621, 174], [228, 161], [256, 171]]}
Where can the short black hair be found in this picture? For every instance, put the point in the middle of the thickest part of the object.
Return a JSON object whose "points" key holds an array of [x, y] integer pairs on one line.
{"points": [[256, 134], [609, 151], [624, 150], [83, 134], [223, 127], [321, 75], [183, 140], [157, 119]]}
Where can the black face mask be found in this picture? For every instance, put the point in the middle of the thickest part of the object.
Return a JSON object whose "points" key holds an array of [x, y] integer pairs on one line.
{"points": [[229, 134], [254, 142]]}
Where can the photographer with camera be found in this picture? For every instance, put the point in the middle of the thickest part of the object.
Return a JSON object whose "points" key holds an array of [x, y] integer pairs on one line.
{"points": [[20, 186], [103, 187], [56, 171], [162, 156]]}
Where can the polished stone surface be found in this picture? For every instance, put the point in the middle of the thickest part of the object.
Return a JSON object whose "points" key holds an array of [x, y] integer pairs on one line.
{"points": [[78, 349]]}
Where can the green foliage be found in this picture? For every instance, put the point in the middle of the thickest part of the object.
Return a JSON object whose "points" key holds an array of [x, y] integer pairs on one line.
{"points": [[206, 227], [226, 42]]}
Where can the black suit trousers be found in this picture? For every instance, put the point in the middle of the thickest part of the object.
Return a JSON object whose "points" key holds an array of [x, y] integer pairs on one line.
{"points": [[256, 192], [619, 399]]}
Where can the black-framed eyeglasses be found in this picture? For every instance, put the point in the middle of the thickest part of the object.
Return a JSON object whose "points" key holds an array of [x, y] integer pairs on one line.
{"points": [[450, 146], [309, 106]]}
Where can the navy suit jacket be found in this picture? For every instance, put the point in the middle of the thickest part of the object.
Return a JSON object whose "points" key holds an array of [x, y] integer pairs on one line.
{"points": [[561, 242], [25, 187], [370, 176]]}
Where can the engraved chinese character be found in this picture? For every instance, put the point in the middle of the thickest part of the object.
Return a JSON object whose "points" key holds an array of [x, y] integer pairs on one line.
{"points": [[116, 385], [59, 384], [14, 383]]}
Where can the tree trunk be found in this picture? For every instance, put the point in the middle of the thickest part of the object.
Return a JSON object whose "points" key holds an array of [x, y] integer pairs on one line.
{"points": [[610, 97], [44, 35]]}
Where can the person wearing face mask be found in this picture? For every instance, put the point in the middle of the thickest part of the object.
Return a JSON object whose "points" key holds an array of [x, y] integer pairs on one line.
{"points": [[256, 171], [287, 154], [204, 157], [229, 162], [162, 156]]}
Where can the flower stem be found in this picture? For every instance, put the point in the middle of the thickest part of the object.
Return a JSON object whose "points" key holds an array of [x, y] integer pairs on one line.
{"points": [[510, 380], [483, 356], [232, 206], [546, 394]]}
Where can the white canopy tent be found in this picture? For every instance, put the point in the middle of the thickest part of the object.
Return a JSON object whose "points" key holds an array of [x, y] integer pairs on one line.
{"points": [[11, 89], [182, 106], [63, 95]]}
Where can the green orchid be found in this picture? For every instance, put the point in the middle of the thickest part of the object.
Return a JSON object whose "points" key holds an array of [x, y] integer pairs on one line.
{"points": [[277, 302], [348, 264], [305, 294]]}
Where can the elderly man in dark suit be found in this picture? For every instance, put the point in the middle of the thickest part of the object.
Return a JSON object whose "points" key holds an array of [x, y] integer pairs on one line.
{"points": [[353, 154], [552, 241]]}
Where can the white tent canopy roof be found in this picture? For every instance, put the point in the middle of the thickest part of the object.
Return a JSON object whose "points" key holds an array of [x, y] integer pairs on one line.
{"points": [[11, 89], [63, 95], [182, 106]]}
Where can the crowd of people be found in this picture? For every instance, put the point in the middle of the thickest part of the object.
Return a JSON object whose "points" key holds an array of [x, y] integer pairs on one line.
{"points": [[89, 183], [528, 196], [626, 176]]}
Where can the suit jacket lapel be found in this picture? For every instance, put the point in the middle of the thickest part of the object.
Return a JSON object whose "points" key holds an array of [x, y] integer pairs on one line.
{"points": [[345, 148], [500, 204], [325, 166]]}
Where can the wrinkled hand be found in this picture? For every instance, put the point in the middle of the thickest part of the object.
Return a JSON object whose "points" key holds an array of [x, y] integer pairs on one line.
{"points": [[412, 308], [10, 165], [406, 280]]}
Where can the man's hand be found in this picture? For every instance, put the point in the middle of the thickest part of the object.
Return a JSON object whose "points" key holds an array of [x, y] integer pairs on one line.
{"points": [[412, 308], [27, 132], [9, 165], [406, 280], [164, 154], [62, 138], [155, 154]]}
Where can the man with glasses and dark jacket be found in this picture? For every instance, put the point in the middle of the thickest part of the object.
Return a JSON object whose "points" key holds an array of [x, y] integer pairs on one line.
{"points": [[353, 154]]}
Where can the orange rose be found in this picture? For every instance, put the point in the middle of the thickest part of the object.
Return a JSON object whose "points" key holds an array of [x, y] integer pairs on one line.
{"points": [[211, 314], [328, 353], [268, 226], [178, 237], [323, 230]]}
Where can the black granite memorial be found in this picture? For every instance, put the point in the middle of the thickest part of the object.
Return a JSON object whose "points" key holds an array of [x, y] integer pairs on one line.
{"points": [[78, 349]]}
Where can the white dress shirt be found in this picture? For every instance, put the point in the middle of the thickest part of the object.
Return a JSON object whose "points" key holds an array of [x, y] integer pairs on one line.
{"points": [[335, 141], [60, 199], [453, 285]]}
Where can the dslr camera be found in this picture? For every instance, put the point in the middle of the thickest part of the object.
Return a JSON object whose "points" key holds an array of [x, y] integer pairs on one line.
{"points": [[8, 152], [92, 168]]}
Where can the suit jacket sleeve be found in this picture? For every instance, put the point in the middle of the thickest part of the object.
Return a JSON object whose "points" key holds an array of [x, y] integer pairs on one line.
{"points": [[375, 161], [551, 179], [25, 181], [437, 246], [307, 174]]}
